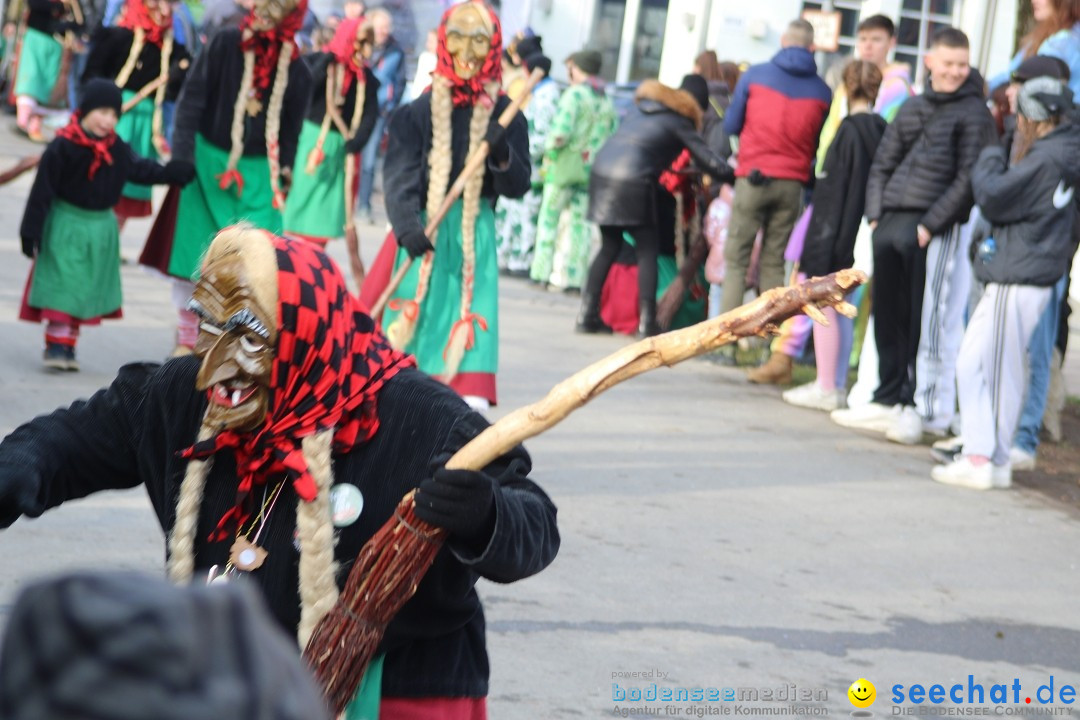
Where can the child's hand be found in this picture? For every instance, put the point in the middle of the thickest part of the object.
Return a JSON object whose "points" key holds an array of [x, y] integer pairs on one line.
{"points": [[924, 236]]}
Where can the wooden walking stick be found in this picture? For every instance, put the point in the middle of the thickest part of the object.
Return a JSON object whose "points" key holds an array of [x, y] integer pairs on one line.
{"points": [[474, 162], [392, 563]]}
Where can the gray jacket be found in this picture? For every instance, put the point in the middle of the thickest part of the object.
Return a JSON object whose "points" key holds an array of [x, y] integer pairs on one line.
{"points": [[1033, 209]]}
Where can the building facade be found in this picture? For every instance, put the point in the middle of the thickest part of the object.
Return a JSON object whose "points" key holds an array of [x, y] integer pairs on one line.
{"points": [[660, 38]]}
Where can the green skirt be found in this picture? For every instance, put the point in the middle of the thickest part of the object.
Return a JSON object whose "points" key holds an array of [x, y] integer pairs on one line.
{"points": [[77, 271], [693, 309], [205, 208], [316, 204], [136, 128], [442, 304], [39, 65], [365, 705]]}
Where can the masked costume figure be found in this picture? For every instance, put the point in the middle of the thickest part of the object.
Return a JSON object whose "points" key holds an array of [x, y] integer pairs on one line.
{"points": [[446, 310], [343, 110], [238, 120], [283, 447], [137, 52]]}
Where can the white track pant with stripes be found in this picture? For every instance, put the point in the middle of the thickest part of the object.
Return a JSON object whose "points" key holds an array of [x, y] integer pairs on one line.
{"points": [[991, 371], [945, 302]]}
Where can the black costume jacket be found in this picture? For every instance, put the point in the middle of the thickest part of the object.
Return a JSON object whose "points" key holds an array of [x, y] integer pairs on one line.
{"points": [[109, 52], [405, 172], [209, 95], [319, 64], [62, 173], [129, 435]]}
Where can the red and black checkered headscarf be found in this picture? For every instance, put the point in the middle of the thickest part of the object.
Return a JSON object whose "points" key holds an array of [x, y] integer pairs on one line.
{"points": [[267, 43], [330, 364], [465, 92]]}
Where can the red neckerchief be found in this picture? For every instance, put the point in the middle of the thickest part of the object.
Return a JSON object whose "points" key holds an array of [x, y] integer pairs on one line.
{"points": [[331, 362], [137, 16], [465, 92], [101, 147], [267, 44], [343, 46]]}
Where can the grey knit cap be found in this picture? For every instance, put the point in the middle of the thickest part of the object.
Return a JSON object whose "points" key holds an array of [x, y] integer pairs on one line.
{"points": [[1042, 98], [127, 647]]}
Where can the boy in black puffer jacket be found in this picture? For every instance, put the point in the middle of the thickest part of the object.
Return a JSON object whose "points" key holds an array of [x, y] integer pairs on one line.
{"points": [[1033, 210], [917, 198]]}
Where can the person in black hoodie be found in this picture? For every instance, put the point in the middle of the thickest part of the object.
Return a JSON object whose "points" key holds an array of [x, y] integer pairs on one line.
{"points": [[917, 198], [839, 200], [623, 186], [1032, 207]]}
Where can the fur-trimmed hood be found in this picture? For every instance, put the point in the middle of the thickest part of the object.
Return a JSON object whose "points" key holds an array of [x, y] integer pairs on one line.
{"points": [[678, 101]]}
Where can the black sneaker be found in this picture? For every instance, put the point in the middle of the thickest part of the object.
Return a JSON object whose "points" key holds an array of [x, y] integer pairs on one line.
{"points": [[72, 363], [55, 356]]}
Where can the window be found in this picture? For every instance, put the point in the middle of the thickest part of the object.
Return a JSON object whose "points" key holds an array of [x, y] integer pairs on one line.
{"points": [[919, 20], [649, 39], [849, 20], [607, 35]]}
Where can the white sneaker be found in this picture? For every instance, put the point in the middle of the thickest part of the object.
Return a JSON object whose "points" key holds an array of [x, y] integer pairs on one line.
{"points": [[811, 395], [1002, 476], [872, 416], [945, 451], [962, 473], [1021, 459], [907, 429]]}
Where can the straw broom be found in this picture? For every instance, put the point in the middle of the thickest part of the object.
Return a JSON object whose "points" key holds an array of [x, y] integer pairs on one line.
{"points": [[391, 564], [473, 164]]}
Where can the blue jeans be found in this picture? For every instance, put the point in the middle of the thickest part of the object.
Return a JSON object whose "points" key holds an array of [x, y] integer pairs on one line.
{"points": [[367, 163], [78, 64], [1040, 350]]}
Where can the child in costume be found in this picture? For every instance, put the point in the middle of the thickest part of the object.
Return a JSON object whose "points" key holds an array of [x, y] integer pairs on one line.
{"points": [[445, 311], [238, 120], [69, 228], [136, 53], [38, 69], [340, 118]]}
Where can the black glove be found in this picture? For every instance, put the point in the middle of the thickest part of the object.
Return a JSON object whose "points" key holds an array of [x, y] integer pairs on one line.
{"points": [[180, 172], [498, 147], [30, 246], [17, 491], [459, 501], [415, 243], [353, 145]]}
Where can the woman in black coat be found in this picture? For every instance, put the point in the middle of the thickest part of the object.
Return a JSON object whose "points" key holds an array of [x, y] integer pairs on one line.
{"points": [[839, 200], [623, 184]]}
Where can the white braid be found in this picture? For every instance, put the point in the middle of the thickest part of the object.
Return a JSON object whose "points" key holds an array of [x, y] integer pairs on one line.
{"points": [[137, 44], [273, 121], [181, 565], [236, 136], [157, 124], [315, 529]]}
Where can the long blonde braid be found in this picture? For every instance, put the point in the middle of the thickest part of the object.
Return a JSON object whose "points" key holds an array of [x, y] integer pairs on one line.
{"points": [[273, 122], [181, 565], [316, 155], [157, 125], [236, 134], [462, 333], [440, 161], [315, 530], [137, 44]]}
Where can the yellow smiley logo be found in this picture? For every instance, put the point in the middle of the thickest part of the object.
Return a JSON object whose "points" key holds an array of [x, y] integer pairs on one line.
{"points": [[862, 693]]}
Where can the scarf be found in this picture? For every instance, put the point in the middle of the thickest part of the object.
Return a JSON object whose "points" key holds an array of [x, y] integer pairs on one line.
{"points": [[100, 147], [266, 44], [343, 47], [331, 362], [466, 92], [137, 16]]}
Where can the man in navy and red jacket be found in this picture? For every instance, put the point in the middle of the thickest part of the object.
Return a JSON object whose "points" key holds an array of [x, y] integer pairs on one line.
{"points": [[777, 112]]}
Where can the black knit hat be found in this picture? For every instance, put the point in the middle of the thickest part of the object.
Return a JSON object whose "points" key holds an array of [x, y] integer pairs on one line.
{"points": [[537, 60], [100, 93], [127, 647], [697, 86], [588, 61]]}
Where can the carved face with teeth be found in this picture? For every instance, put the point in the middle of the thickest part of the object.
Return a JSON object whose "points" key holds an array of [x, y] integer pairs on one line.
{"points": [[237, 338], [268, 14], [468, 38]]}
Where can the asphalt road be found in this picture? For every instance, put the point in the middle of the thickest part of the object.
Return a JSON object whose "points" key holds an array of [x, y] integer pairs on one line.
{"points": [[712, 536]]}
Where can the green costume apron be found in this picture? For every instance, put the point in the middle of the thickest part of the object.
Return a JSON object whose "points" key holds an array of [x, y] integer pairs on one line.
{"points": [[205, 208], [316, 204], [365, 706], [136, 128], [39, 65], [77, 271], [441, 307]]}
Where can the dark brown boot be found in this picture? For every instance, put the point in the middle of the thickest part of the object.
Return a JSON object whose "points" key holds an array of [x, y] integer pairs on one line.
{"points": [[589, 321], [776, 371]]}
